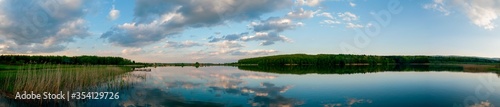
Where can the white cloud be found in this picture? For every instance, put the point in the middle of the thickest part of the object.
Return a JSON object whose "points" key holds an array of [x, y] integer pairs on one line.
{"points": [[132, 51], [438, 5], [301, 14], [369, 25], [352, 25], [184, 44], [227, 44], [326, 14], [114, 13], [273, 24], [482, 13], [267, 38], [348, 16], [300, 24], [330, 22], [254, 52], [352, 4], [311, 3], [224, 47]]}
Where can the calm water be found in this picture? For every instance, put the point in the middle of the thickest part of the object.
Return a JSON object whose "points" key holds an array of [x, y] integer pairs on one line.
{"points": [[230, 86]]}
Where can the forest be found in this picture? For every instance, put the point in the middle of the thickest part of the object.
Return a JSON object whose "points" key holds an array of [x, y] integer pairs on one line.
{"points": [[349, 69], [79, 60], [348, 59]]}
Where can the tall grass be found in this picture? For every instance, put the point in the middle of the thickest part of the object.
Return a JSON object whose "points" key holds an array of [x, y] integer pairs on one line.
{"points": [[55, 78]]}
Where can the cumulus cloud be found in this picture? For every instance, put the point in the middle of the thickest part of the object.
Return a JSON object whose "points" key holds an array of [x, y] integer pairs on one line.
{"points": [[227, 44], [136, 35], [132, 51], [12, 48], [311, 3], [273, 24], [230, 37], [222, 48], [327, 15], [301, 14], [352, 4], [352, 25], [184, 44], [114, 13], [254, 52], [330, 22], [158, 19], [438, 5], [482, 13], [28, 26], [267, 38], [227, 47], [348, 16]]}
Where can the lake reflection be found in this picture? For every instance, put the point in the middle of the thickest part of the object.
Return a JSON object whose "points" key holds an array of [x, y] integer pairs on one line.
{"points": [[229, 86], [336, 87]]}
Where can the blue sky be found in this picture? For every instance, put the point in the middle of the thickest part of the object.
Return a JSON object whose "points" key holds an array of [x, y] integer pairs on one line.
{"points": [[227, 30]]}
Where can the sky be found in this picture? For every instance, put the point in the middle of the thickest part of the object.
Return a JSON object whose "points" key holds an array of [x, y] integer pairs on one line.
{"points": [[220, 31]]}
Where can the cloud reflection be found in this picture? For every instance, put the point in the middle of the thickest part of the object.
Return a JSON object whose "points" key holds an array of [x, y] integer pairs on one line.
{"points": [[182, 84], [483, 104], [217, 83], [349, 102], [157, 98]]}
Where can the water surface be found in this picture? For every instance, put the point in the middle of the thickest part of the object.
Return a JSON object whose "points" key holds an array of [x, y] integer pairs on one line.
{"points": [[230, 86]]}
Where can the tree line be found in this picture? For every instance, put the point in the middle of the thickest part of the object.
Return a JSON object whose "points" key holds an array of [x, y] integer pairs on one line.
{"points": [[349, 69], [348, 59], [87, 60]]}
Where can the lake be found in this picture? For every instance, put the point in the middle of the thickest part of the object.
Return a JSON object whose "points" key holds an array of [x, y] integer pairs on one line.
{"points": [[248, 86]]}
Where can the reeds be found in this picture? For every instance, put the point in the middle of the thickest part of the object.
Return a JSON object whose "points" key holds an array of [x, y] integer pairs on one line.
{"points": [[57, 78]]}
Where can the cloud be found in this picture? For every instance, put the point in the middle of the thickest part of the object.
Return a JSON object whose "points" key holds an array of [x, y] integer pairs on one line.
{"points": [[230, 37], [224, 47], [273, 24], [114, 14], [349, 102], [301, 14], [254, 52], [483, 104], [267, 38], [28, 26], [137, 35], [132, 51], [185, 44], [482, 13], [311, 3], [352, 25], [158, 19], [352, 4], [330, 22], [227, 44], [326, 14], [12, 48], [232, 48], [438, 5], [157, 97], [348, 16]]}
